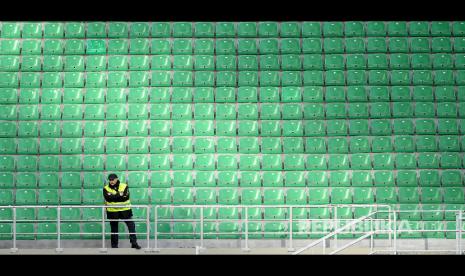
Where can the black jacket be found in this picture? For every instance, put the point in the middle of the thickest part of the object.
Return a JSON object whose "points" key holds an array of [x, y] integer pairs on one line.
{"points": [[116, 197]]}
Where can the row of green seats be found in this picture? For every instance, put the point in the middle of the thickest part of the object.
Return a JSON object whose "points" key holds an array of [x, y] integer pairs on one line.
{"points": [[245, 111], [165, 179], [231, 196], [229, 62], [225, 230], [272, 128], [73, 180], [141, 46], [136, 145], [229, 29], [403, 211], [292, 114], [412, 212], [198, 95], [115, 79], [249, 162]]}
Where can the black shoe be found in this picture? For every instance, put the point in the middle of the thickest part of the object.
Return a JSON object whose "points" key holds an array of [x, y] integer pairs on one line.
{"points": [[136, 246], [114, 246]]}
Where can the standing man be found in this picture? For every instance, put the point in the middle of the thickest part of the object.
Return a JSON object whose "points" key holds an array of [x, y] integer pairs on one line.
{"points": [[117, 193]]}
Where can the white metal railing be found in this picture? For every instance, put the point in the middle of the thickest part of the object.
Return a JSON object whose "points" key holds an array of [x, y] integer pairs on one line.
{"points": [[459, 218], [59, 220], [354, 222], [334, 223]]}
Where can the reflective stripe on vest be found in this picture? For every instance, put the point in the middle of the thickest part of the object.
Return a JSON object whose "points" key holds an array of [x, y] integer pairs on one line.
{"points": [[121, 188]]}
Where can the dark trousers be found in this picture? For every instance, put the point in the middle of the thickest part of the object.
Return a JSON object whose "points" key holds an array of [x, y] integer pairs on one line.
{"points": [[127, 216]]}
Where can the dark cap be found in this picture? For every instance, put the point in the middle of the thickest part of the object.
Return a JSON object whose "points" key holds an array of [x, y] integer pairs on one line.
{"points": [[112, 176]]}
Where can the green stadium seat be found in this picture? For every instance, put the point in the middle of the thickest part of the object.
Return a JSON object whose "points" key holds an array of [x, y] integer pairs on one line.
{"points": [[92, 196], [341, 195], [339, 179], [409, 212], [228, 196], [267, 29], [70, 196], [432, 212], [26, 180], [25, 231], [408, 195], [250, 179], [363, 195], [406, 178], [386, 195], [24, 197], [183, 196], [451, 178], [294, 179], [318, 196], [362, 179], [453, 195], [11, 30]]}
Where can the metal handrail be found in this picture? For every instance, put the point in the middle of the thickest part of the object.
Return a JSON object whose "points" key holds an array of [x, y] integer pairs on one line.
{"points": [[244, 230], [337, 231]]}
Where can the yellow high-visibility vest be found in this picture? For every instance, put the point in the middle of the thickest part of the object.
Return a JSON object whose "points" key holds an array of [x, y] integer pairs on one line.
{"points": [[121, 188]]}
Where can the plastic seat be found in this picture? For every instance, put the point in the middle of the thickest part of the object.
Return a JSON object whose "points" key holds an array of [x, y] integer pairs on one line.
{"points": [[336, 127], [182, 162], [448, 143], [180, 145], [451, 178], [272, 129], [23, 197], [406, 178], [362, 179], [315, 145], [139, 196], [247, 111], [8, 198], [28, 112], [318, 196], [251, 197], [429, 178], [272, 179], [11, 30], [431, 195], [294, 179], [161, 196], [408, 195], [32, 30], [384, 178], [227, 179], [386, 195], [360, 161], [453, 195], [24, 163], [339, 179], [205, 196], [228, 196], [410, 212]]}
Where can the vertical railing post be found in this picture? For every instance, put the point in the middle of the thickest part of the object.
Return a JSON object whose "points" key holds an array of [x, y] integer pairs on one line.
{"points": [[246, 248], [291, 247], [390, 213], [155, 229], [103, 249], [14, 249], [336, 225], [395, 231], [147, 221], [59, 249], [201, 227], [460, 231], [372, 234], [457, 235]]}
